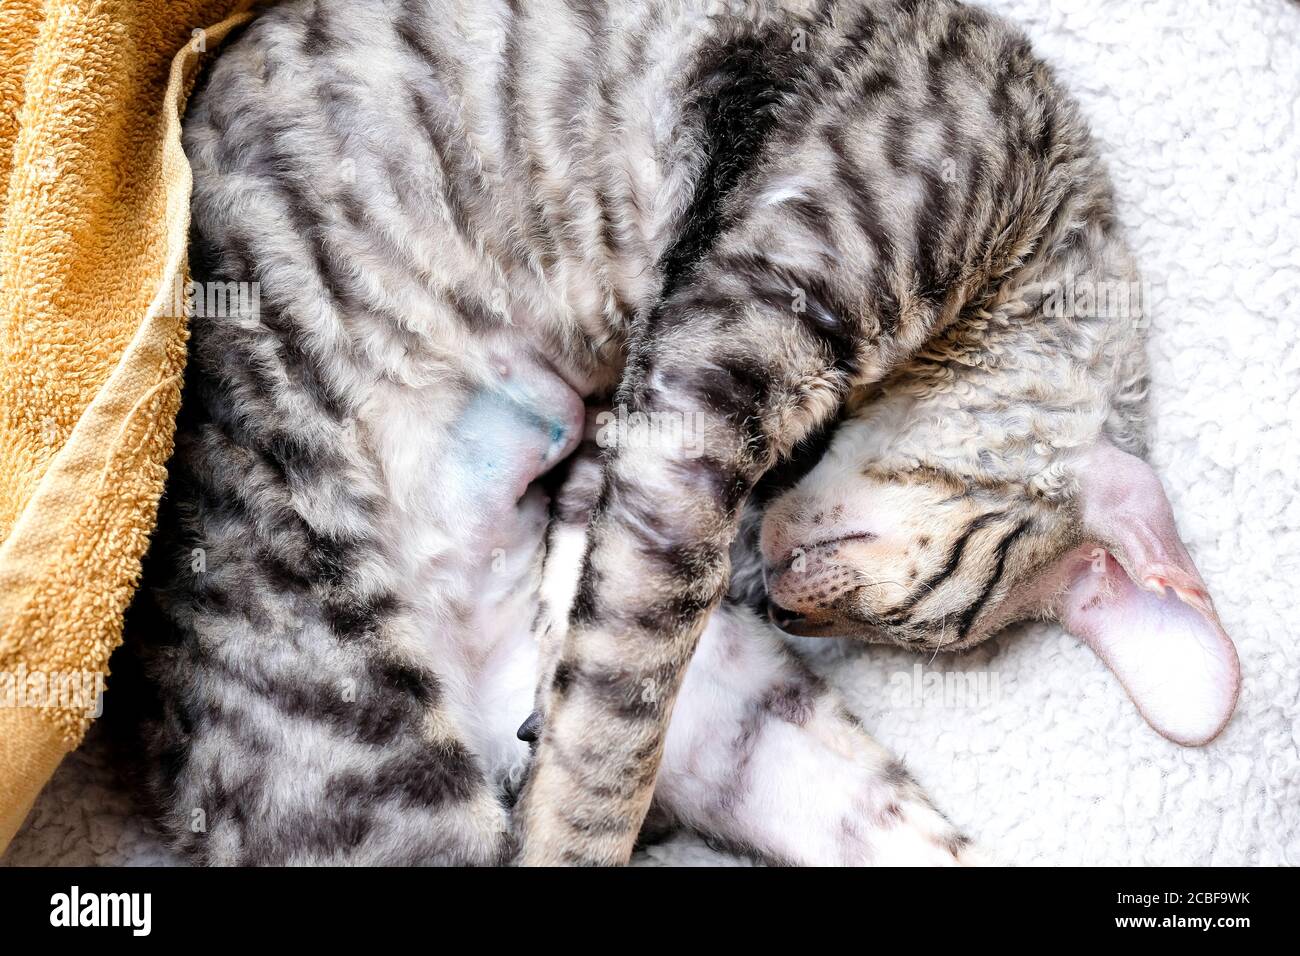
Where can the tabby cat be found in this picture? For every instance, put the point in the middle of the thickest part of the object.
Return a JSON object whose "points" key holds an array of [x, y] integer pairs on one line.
{"points": [[464, 218]]}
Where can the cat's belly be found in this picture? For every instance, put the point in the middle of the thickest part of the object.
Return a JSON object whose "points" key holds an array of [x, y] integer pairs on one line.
{"points": [[464, 524], [513, 427]]}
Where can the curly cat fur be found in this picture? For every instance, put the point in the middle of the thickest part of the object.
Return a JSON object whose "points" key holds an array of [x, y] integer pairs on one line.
{"points": [[464, 219]]}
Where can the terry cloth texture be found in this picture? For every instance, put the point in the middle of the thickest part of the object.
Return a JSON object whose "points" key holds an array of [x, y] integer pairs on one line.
{"points": [[92, 250], [1196, 104]]}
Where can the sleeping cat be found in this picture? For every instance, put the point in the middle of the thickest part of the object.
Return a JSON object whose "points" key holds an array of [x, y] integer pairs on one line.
{"points": [[996, 477], [906, 521], [762, 756], [465, 218]]}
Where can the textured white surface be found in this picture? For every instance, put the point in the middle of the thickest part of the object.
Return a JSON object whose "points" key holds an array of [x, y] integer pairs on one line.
{"points": [[1197, 106]]}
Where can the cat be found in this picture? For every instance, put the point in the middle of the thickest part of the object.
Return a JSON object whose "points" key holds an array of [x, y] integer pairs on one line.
{"points": [[998, 477], [312, 626], [463, 220], [762, 756], [926, 171], [900, 527]]}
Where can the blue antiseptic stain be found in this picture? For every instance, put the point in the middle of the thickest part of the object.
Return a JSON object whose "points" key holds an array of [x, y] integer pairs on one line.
{"points": [[502, 421]]}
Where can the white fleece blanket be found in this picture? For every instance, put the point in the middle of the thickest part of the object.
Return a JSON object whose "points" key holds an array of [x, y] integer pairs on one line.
{"points": [[1040, 756]]}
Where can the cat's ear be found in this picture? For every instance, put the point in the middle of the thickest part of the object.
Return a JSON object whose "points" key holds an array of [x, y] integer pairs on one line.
{"points": [[1135, 597]]}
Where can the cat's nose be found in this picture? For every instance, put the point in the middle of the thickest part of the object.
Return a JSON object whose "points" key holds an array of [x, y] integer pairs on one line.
{"points": [[781, 530], [792, 622], [782, 617]]}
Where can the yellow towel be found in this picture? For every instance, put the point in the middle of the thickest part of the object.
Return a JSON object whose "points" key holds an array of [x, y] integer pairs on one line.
{"points": [[92, 246]]}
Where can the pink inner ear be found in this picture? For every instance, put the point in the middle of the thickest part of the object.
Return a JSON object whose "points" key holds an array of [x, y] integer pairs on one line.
{"points": [[1171, 655], [1123, 505]]}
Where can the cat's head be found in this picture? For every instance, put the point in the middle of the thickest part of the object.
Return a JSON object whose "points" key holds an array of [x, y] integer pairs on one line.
{"points": [[940, 514]]}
